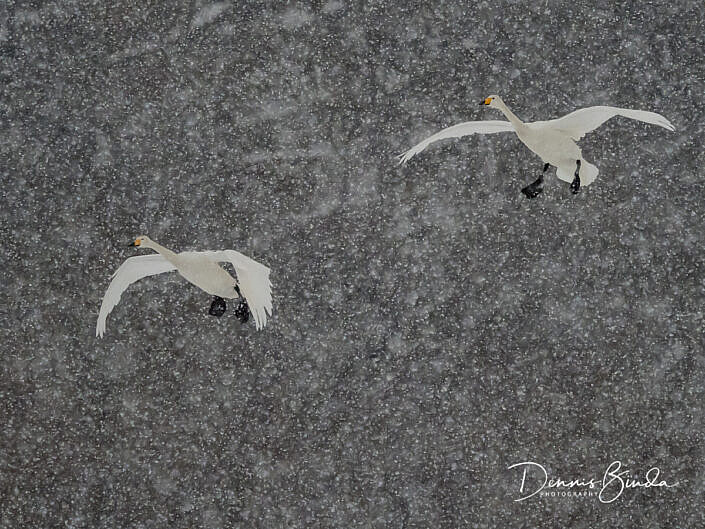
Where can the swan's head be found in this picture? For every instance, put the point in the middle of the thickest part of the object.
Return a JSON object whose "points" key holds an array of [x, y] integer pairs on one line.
{"points": [[142, 240], [493, 101]]}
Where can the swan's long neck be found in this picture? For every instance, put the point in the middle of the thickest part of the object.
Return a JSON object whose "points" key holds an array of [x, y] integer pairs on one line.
{"points": [[510, 115], [164, 252]]}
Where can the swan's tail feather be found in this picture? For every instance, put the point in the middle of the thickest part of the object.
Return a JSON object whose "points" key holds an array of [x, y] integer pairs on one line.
{"points": [[588, 173]]}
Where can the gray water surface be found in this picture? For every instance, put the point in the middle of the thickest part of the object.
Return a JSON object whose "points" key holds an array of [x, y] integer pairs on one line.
{"points": [[431, 326]]}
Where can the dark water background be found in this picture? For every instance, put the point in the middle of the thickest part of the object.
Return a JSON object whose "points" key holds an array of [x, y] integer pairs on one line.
{"points": [[431, 326]]}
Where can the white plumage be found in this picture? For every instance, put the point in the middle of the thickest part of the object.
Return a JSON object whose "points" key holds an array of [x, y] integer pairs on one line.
{"points": [[553, 141], [199, 268]]}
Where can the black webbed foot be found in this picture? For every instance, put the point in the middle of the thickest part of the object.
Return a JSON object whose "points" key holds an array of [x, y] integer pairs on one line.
{"points": [[242, 311], [575, 184], [532, 191], [217, 307]]}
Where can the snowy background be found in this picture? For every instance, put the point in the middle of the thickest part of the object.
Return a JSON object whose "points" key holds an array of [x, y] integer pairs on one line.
{"points": [[431, 326]]}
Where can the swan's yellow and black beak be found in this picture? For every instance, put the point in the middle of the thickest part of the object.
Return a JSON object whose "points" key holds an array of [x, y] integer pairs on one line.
{"points": [[136, 242], [486, 101]]}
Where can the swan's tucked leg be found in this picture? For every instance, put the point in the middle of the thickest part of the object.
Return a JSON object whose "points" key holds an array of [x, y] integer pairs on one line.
{"points": [[242, 311], [217, 307], [575, 185], [534, 189]]}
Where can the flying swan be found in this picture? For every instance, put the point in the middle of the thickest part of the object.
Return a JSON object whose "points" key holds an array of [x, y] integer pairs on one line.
{"points": [[252, 285], [554, 140]]}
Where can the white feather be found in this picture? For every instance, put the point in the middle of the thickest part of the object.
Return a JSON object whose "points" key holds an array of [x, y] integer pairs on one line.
{"points": [[554, 140], [199, 268], [458, 131], [577, 124], [253, 280], [132, 270]]}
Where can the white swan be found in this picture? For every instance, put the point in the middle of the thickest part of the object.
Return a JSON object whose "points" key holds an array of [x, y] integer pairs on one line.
{"points": [[554, 140], [202, 269]]}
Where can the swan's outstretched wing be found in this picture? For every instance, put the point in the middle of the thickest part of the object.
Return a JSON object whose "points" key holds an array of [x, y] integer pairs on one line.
{"points": [[133, 269], [253, 280], [585, 120], [458, 131]]}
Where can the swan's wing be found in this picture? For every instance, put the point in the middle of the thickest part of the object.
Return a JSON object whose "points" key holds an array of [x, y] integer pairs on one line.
{"points": [[133, 269], [577, 124], [458, 131], [253, 280]]}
